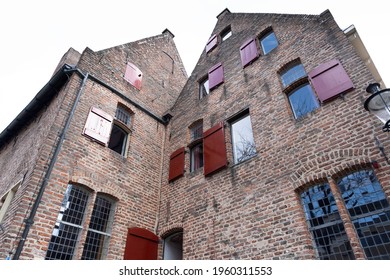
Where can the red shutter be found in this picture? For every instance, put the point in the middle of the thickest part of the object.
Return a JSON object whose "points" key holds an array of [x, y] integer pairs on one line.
{"points": [[214, 149], [249, 52], [176, 165], [141, 244], [133, 75], [329, 80], [212, 43], [215, 76], [98, 126]]}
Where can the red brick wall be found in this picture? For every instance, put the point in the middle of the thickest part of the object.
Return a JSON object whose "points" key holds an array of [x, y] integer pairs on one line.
{"points": [[251, 210]]}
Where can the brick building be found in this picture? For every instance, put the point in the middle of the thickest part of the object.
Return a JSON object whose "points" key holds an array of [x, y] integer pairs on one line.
{"points": [[264, 152]]}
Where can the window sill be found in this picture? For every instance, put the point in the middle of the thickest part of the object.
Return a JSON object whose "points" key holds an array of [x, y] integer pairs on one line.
{"points": [[245, 160]]}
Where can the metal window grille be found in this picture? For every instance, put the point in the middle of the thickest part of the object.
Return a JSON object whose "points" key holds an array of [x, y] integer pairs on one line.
{"points": [[196, 131], [123, 115], [370, 212], [98, 235], [69, 224], [325, 224]]}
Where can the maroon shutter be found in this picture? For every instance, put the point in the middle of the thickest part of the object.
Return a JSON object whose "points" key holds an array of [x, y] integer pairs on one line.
{"points": [[98, 126], [215, 76], [176, 164], [249, 52], [133, 75], [329, 80], [141, 244], [214, 149], [212, 43]]}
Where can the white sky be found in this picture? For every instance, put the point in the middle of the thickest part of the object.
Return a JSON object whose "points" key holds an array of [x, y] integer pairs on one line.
{"points": [[35, 34]]}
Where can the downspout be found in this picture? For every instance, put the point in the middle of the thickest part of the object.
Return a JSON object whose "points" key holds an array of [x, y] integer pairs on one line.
{"points": [[30, 220]]}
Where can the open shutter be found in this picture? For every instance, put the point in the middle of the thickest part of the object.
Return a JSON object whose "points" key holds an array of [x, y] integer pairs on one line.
{"points": [[133, 75], [141, 244], [329, 80], [98, 126], [214, 149], [249, 52], [212, 43], [215, 76], [176, 165]]}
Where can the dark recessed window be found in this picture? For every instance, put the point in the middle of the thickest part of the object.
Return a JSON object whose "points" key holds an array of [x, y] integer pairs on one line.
{"points": [[225, 34], [118, 139], [268, 42], [196, 146], [204, 89], [173, 246], [242, 139]]}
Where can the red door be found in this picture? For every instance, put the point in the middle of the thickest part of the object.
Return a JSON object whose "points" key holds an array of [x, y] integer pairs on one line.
{"points": [[141, 244]]}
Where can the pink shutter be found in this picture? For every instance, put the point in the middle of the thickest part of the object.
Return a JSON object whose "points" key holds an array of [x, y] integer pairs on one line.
{"points": [[249, 52], [98, 126], [176, 165], [329, 80], [212, 43], [133, 75], [214, 149], [215, 76]]}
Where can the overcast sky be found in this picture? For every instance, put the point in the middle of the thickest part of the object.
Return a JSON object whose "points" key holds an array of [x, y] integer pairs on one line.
{"points": [[35, 34]]}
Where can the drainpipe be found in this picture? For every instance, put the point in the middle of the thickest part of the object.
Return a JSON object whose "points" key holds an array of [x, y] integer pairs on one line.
{"points": [[30, 220]]}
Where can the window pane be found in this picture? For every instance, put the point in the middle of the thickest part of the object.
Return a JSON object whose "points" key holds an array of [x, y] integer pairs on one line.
{"points": [[118, 140], [325, 224], [69, 221], [98, 232], [173, 246], [269, 42], [292, 74], [196, 157], [122, 115], [243, 142], [303, 101], [204, 88], [369, 210], [226, 34]]}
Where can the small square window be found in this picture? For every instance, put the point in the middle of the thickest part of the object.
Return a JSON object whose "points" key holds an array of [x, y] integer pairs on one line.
{"points": [[268, 42], [204, 89]]}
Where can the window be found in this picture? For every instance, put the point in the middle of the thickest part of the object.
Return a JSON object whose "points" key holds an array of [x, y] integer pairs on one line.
{"points": [[173, 246], [226, 33], [118, 139], [368, 208], [99, 231], [268, 42], [302, 100], [196, 146], [71, 221], [300, 94], [204, 88], [6, 199], [69, 224], [325, 224], [242, 139]]}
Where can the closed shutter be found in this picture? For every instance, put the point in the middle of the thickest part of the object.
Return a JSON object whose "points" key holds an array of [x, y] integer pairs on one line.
{"points": [[141, 244], [329, 80], [215, 76], [98, 126], [176, 164], [214, 149], [133, 75], [212, 43], [249, 52]]}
